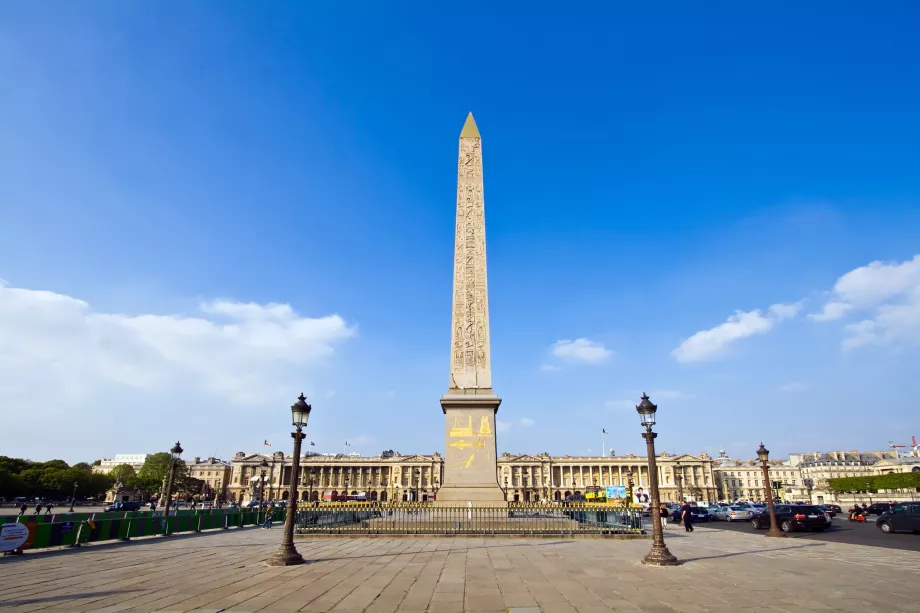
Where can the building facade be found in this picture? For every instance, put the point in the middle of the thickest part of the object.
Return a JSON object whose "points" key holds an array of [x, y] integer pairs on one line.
{"points": [[522, 477], [215, 475], [743, 480], [135, 460], [817, 467]]}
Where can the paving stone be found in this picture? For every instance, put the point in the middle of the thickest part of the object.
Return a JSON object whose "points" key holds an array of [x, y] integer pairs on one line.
{"points": [[224, 571]]}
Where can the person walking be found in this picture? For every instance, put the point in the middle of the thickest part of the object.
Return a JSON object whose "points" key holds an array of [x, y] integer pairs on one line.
{"points": [[38, 508], [48, 508], [687, 516], [663, 513], [23, 509], [268, 516]]}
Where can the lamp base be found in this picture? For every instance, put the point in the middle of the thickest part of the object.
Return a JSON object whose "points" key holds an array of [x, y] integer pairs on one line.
{"points": [[286, 556], [660, 556]]}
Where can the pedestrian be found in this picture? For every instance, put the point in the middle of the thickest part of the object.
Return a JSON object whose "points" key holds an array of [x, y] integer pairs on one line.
{"points": [[663, 513], [48, 508], [23, 509], [38, 508], [268, 517], [687, 516]]}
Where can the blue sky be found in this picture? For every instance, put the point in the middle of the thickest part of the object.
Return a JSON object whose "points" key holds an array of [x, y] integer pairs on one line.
{"points": [[206, 209]]}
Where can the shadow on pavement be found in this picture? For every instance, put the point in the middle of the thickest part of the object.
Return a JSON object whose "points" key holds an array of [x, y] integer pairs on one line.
{"points": [[744, 553], [13, 603]]}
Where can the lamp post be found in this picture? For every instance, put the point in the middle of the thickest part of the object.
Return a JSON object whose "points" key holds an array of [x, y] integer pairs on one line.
{"points": [[345, 482], [174, 454], [263, 465], [659, 555], [764, 455], [679, 480], [506, 488], [312, 482], [287, 554], [437, 486], [418, 490], [630, 484], [73, 497]]}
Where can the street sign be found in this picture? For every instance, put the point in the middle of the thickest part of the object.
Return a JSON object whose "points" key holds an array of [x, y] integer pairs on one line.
{"points": [[12, 536]]}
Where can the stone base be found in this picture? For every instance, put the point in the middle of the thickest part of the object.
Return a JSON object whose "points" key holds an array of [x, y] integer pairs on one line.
{"points": [[454, 494]]}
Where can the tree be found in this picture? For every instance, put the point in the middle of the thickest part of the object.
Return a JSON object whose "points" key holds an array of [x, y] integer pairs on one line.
{"points": [[152, 475], [125, 474]]}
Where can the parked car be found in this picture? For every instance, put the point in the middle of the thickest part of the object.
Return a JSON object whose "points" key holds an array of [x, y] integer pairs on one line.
{"points": [[835, 507], [902, 517], [795, 517], [734, 513], [829, 509]]}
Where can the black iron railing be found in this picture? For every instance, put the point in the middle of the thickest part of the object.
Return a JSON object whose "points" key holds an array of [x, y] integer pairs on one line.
{"points": [[428, 518]]}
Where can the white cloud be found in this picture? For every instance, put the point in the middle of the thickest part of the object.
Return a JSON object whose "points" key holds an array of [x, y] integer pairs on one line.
{"points": [[831, 310], [712, 343], [3, 282], [581, 350], [549, 367], [526, 422], [889, 291], [502, 426], [793, 386], [237, 352], [786, 311]]}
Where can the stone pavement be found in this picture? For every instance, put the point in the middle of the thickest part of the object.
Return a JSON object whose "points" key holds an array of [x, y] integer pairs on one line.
{"points": [[224, 571]]}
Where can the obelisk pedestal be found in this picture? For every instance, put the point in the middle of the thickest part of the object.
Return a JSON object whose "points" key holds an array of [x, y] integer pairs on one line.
{"points": [[470, 405]]}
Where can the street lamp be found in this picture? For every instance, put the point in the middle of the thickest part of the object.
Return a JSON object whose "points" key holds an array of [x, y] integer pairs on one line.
{"points": [[312, 482], [764, 455], [287, 554], [630, 484], [679, 480], [73, 497], [174, 454], [262, 465], [506, 488], [659, 555]]}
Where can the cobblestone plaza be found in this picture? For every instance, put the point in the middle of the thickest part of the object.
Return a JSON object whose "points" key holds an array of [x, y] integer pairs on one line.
{"points": [[224, 571]]}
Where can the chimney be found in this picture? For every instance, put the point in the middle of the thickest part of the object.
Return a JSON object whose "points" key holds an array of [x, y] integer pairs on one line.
{"points": [[197, 459]]}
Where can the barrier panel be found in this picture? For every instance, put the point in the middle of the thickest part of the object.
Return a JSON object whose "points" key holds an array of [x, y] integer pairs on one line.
{"points": [[80, 528], [424, 518]]}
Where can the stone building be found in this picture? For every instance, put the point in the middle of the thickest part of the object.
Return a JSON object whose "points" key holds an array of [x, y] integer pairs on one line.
{"points": [[817, 467], [135, 460], [214, 473], [522, 477], [743, 480]]}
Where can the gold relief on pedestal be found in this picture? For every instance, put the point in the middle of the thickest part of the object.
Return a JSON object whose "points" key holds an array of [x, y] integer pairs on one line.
{"points": [[460, 430]]}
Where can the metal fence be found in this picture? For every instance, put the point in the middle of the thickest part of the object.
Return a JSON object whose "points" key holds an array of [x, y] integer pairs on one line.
{"points": [[426, 518]]}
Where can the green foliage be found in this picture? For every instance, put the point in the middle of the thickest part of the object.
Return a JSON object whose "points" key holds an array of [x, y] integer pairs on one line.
{"points": [[125, 474], [152, 475], [891, 481], [53, 480]]}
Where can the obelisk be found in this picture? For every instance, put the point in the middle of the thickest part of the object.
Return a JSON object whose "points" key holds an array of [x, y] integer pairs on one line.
{"points": [[470, 404]]}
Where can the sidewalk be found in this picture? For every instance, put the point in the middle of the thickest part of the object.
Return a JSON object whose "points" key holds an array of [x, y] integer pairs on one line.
{"points": [[722, 572]]}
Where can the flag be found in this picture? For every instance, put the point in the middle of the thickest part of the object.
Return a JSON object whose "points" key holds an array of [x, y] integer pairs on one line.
{"points": [[347, 444], [603, 431], [312, 444], [267, 444]]}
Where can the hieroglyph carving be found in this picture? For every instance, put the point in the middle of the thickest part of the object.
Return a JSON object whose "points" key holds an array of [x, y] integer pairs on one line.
{"points": [[469, 366]]}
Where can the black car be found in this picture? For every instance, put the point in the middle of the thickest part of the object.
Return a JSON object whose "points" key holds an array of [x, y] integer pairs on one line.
{"points": [[835, 508], [878, 508], [829, 509], [699, 514], [903, 517], [123, 506], [794, 517]]}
